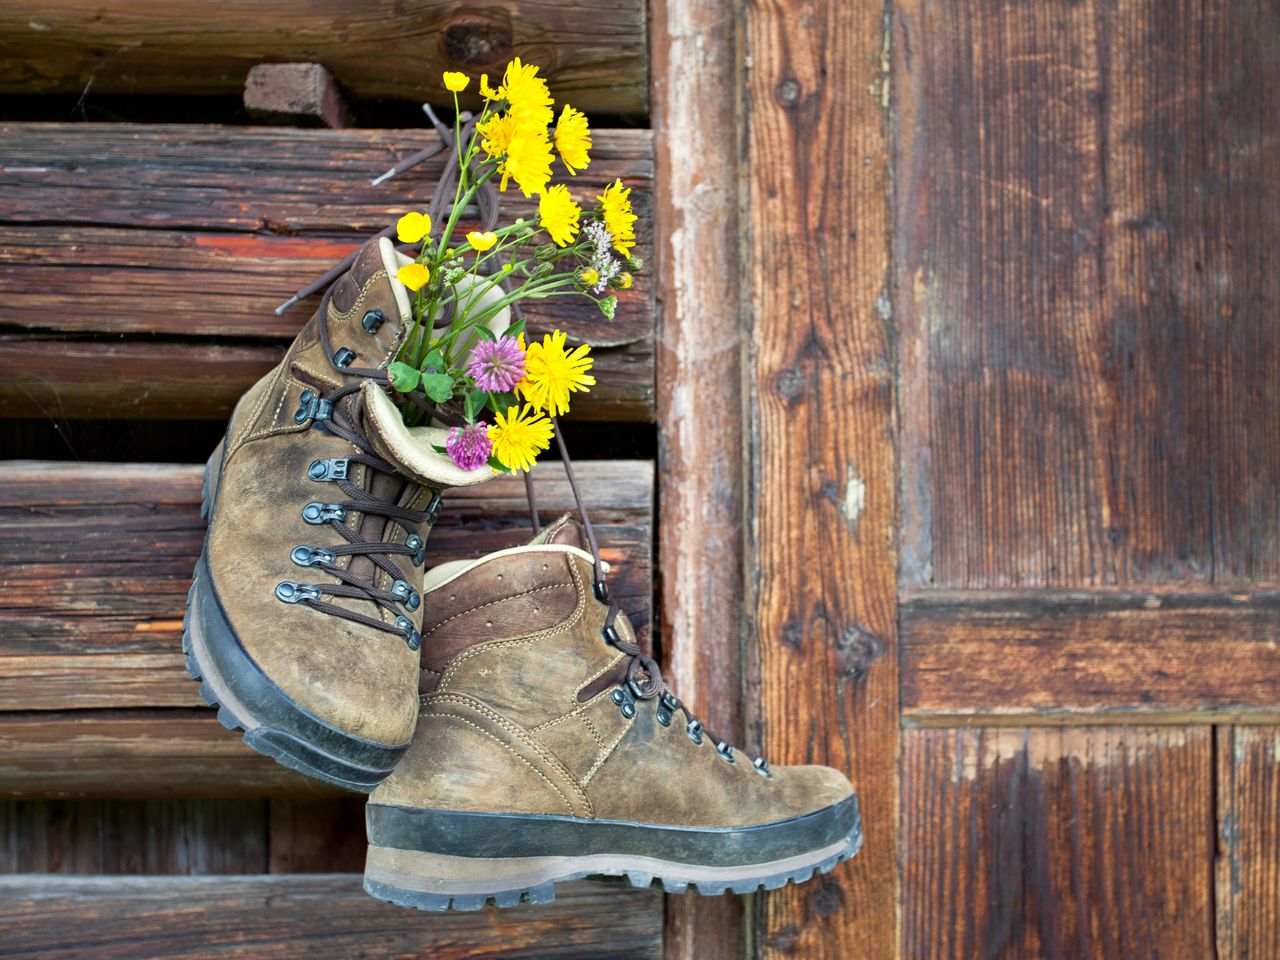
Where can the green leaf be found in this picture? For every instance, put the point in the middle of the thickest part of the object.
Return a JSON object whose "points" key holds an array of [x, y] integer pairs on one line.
{"points": [[475, 402], [485, 333], [433, 362], [498, 465], [515, 329], [440, 448], [437, 386], [501, 402], [403, 377]]}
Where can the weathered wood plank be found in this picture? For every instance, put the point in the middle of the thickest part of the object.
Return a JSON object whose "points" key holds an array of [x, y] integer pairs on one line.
{"points": [[699, 399], [186, 836], [316, 835], [318, 916], [822, 658], [592, 51], [237, 219], [1248, 868], [1032, 844], [1091, 363], [100, 627], [1050, 656]]}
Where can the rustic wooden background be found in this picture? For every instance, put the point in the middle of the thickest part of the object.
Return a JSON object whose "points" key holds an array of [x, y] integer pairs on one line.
{"points": [[956, 384]]}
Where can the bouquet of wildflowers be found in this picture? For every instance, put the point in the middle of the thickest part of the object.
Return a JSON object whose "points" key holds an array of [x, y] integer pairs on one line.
{"points": [[464, 353]]}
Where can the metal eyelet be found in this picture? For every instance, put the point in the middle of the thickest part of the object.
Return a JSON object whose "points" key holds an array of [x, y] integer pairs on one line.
{"points": [[761, 766], [417, 544], [312, 407], [409, 632], [317, 513], [312, 556], [343, 357], [601, 590], [433, 509], [664, 715], [725, 750], [694, 729], [323, 471], [406, 594], [667, 707], [611, 636], [622, 697], [290, 592], [372, 320]]}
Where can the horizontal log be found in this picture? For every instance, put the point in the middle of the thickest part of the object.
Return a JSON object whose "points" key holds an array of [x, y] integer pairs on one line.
{"points": [[1048, 656], [95, 560], [592, 51], [314, 915], [236, 220]]}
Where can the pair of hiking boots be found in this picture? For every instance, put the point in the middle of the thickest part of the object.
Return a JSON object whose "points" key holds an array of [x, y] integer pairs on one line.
{"points": [[509, 730]]}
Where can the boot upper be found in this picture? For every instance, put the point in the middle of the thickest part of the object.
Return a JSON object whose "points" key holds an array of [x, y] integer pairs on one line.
{"points": [[526, 709]]}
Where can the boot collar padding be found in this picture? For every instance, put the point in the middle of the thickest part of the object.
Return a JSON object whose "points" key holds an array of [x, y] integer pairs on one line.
{"points": [[391, 262], [444, 573], [412, 449]]}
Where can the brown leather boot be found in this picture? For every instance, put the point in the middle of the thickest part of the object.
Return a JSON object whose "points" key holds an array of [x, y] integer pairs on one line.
{"points": [[303, 620], [547, 749]]}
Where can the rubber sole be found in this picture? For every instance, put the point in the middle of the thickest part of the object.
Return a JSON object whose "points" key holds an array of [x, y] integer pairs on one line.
{"points": [[436, 881], [246, 699]]}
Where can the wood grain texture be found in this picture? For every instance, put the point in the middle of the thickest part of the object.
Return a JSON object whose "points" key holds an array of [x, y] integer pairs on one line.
{"points": [[317, 916], [194, 234], [187, 836], [1086, 198], [822, 652], [316, 835], [101, 627], [1059, 656], [1248, 867], [699, 399], [592, 51], [1047, 844]]}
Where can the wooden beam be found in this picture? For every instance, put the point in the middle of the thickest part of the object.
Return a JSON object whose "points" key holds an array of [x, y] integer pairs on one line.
{"points": [[221, 248], [1057, 843], [593, 52], [319, 916], [699, 401], [298, 94], [821, 495], [94, 628], [1248, 835], [1051, 656]]}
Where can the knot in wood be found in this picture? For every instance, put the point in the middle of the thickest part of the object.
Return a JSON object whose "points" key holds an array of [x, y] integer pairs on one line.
{"points": [[856, 650], [787, 92], [476, 42]]}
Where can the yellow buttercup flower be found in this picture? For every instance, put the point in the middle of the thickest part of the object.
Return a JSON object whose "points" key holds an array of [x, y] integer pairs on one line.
{"points": [[455, 82], [573, 139], [413, 227], [559, 215], [414, 275], [552, 373], [519, 436], [482, 241], [615, 205]]}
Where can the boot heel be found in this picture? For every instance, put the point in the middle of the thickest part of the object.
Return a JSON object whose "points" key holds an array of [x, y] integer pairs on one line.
{"points": [[437, 881]]}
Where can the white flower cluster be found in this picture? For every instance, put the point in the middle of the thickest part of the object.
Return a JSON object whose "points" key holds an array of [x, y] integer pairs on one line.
{"points": [[602, 257]]}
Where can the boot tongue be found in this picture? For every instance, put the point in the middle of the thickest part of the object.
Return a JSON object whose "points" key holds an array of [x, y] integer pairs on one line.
{"points": [[566, 532]]}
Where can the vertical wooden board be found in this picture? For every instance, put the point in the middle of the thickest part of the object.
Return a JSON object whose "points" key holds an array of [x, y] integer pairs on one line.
{"points": [[998, 200], [1193, 187], [822, 659], [1033, 844], [133, 836], [699, 370], [1248, 868]]}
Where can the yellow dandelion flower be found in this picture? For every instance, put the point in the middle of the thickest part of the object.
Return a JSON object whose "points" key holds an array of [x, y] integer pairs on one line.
{"points": [[552, 373], [526, 93], [414, 275], [482, 241], [487, 91], [615, 205], [589, 276], [623, 281], [519, 436], [413, 227], [528, 162], [573, 139], [455, 82], [559, 215]]}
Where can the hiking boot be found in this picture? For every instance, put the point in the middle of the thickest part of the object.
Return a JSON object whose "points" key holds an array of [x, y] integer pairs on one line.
{"points": [[304, 615], [548, 749]]}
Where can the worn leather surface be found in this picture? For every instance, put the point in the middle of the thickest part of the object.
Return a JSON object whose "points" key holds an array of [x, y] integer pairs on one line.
{"points": [[360, 680], [514, 640]]}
